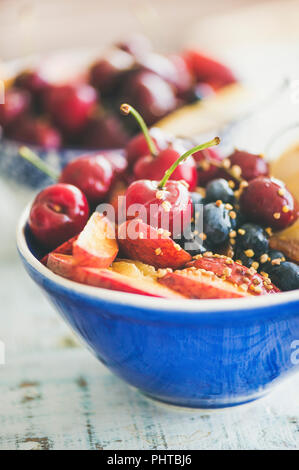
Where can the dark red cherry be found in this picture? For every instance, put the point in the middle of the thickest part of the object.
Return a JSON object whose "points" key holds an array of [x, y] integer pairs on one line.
{"points": [[153, 96], [34, 131], [58, 213], [206, 69], [106, 73], [251, 165], [268, 201], [17, 102], [154, 167], [70, 105], [138, 147], [206, 171], [104, 132], [169, 208], [32, 81], [93, 174]]}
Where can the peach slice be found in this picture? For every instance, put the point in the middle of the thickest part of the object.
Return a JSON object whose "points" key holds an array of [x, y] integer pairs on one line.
{"points": [[96, 245], [109, 279], [142, 242], [235, 273], [201, 284], [61, 264], [66, 248]]}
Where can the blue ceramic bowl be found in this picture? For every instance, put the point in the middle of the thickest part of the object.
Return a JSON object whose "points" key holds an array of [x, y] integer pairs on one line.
{"points": [[196, 353]]}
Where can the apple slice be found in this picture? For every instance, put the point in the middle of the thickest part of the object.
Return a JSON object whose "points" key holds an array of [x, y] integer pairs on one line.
{"points": [[142, 242], [96, 245], [201, 284], [109, 279], [235, 273], [66, 248], [62, 264]]}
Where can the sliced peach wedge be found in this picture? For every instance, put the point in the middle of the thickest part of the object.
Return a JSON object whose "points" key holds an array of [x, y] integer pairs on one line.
{"points": [[66, 248], [96, 246], [61, 264], [201, 284], [139, 241]]}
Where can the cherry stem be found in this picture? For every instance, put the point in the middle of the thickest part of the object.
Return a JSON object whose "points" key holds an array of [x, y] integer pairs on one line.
{"points": [[168, 173], [127, 109], [34, 159]]}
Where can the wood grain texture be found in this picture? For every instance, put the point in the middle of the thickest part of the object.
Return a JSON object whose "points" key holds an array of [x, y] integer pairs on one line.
{"points": [[55, 395]]}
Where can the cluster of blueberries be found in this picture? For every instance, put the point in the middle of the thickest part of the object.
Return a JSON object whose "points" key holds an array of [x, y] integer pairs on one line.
{"points": [[224, 224]]}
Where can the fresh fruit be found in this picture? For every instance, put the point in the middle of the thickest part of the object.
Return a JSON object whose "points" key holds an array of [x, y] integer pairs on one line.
{"points": [[217, 223], [268, 201], [16, 104], [142, 242], [253, 240], [138, 147], [93, 174], [108, 279], [274, 258], [150, 93], [243, 259], [106, 73], [252, 166], [209, 70], [34, 131], [58, 213], [61, 264], [103, 132], [70, 105], [206, 171], [286, 276], [201, 284], [154, 165], [65, 249], [32, 81], [219, 189], [287, 241], [96, 245], [225, 268]]}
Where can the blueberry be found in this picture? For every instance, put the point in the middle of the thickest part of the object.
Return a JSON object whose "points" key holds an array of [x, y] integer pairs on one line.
{"points": [[216, 224], [253, 237], [273, 255], [219, 189], [191, 242], [196, 199], [285, 276], [240, 219], [245, 260]]}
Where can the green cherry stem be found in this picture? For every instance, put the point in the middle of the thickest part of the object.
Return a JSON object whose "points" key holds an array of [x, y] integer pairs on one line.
{"points": [[34, 159], [127, 109], [168, 173]]}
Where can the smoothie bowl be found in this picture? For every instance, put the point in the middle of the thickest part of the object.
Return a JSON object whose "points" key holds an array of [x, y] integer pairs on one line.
{"points": [[189, 302]]}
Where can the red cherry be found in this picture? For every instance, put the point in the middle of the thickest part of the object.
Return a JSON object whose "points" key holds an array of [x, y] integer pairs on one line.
{"points": [[206, 171], [32, 81], [169, 208], [206, 69], [106, 73], [16, 104], [103, 133], [58, 213], [252, 165], [70, 105], [268, 201], [35, 132], [92, 174], [138, 146], [151, 94], [154, 167]]}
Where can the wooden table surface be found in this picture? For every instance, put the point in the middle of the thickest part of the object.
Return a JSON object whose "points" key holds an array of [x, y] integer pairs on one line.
{"points": [[56, 395]]}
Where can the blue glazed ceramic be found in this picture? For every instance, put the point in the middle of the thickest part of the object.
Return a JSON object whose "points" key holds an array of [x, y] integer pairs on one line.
{"points": [[14, 167], [196, 353]]}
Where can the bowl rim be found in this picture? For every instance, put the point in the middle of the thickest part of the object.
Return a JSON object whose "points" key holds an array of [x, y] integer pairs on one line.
{"points": [[145, 302]]}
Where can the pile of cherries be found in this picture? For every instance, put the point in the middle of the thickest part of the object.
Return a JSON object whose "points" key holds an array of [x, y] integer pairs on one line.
{"points": [[240, 203], [85, 114]]}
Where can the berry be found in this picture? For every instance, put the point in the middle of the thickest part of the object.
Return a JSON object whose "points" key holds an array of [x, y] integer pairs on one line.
{"points": [[104, 133], [138, 147], [275, 258], [206, 171], [268, 201], [253, 238], [241, 256], [58, 213], [192, 243], [17, 102], [92, 174], [34, 131], [70, 105], [219, 189], [107, 73], [286, 276], [216, 224]]}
